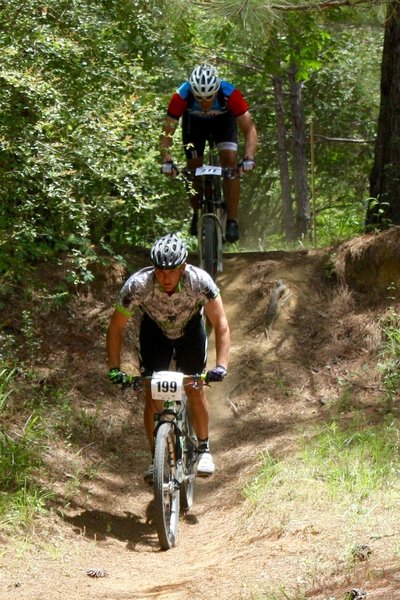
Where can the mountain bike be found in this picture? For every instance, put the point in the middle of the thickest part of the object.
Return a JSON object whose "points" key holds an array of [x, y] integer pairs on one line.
{"points": [[175, 450], [211, 211]]}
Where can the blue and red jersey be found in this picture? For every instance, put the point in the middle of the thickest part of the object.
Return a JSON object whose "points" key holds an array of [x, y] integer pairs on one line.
{"points": [[228, 98]]}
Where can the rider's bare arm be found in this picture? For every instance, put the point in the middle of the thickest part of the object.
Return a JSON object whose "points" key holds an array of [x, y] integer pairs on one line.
{"points": [[169, 128], [114, 338], [249, 131], [216, 314]]}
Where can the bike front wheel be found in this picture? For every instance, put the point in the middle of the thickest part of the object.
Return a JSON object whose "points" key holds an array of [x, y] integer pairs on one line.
{"points": [[210, 253], [166, 487]]}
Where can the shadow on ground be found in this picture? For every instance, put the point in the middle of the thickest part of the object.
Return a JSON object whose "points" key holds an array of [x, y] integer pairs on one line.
{"points": [[99, 525]]}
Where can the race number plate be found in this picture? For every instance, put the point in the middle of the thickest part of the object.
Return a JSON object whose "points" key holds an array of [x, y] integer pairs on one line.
{"points": [[166, 385], [208, 170]]}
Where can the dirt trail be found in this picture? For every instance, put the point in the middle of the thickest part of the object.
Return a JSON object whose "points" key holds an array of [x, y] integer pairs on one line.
{"points": [[223, 552]]}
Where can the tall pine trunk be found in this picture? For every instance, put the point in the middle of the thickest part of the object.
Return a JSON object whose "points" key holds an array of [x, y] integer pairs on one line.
{"points": [[299, 156], [286, 197], [384, 206]]}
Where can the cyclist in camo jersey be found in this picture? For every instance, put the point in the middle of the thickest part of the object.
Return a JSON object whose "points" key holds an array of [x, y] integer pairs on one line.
{"points": [[172, 297]]}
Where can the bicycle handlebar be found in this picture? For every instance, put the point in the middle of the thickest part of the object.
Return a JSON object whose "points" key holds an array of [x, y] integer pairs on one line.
{"points": [[137, 382], [226, 172]]}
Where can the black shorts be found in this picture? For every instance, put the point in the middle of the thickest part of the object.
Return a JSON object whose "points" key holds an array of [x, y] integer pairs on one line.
{"points": [[156, 350], [196, 131]]}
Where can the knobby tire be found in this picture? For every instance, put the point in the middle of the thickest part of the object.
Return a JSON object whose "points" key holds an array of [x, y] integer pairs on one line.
{"points": [[217, 189], [166, 489], [210, 246]]}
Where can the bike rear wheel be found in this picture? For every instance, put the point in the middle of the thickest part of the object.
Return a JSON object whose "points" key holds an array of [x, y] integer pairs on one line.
{"points": [[166, 487]]}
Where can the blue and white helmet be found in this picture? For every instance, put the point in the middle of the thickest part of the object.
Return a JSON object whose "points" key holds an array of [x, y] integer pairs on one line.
{"points": [[204, 81], [168, 252]]}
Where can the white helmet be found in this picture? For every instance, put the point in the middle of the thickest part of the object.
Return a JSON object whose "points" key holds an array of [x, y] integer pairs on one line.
{"points": [[168, 252], [204, 81]]}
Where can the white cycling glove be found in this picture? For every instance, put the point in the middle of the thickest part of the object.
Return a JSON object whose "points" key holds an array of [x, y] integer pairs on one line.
{"points": [[168, 168], [248, 164]]}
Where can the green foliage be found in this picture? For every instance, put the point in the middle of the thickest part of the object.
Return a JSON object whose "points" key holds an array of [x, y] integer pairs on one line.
{"points": [[339, 70], [19, 508], [342, 101], [389, 356], [20, 497], [6, 377], [83, 90], [79, 126], [17, 458], [355, 459], [338, 223], [269, 470], [29, 332], [350, 461]]}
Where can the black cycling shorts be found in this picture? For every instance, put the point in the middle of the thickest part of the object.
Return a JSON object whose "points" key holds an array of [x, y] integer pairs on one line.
{"points": [[196, 131], [156, 350]]}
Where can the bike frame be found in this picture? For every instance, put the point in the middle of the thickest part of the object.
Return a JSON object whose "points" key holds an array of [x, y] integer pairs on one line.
{"points": [[212, 213]]}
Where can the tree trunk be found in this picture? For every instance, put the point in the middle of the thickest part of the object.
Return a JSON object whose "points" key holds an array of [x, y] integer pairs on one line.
{"points": [[286, 197], [384, 206], [299, 156]]}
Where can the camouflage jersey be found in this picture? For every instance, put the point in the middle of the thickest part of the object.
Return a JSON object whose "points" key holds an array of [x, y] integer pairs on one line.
{"points": [[170, 312]]}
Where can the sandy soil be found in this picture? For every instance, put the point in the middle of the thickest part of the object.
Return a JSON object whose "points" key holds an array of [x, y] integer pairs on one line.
{"points": [[284, 363]]}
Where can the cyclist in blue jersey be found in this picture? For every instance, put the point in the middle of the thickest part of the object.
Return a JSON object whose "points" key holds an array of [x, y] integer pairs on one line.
{"points": [[171, 296], [210, 108]]}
